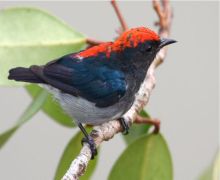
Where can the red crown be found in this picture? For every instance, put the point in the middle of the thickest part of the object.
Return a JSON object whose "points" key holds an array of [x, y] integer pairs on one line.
{"points": [[130, 38]]}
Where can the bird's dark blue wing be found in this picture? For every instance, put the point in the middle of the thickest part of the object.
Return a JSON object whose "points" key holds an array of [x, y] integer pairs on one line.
{"points": [[94, 78]]}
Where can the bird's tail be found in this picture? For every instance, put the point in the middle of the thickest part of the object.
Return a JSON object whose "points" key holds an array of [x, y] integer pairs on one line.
{"points": [[24, 74]]}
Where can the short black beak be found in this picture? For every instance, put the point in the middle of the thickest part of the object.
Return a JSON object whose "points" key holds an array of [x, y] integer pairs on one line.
{"points": [[165, 42]]}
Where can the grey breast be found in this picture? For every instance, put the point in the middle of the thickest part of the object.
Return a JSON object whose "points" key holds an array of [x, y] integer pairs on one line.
{"points": [[84, 111]]}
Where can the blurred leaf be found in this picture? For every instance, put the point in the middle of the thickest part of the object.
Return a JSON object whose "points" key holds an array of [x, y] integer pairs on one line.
{"points": [[31, 36], [144, 113], [51, 107], [137, 130], [216, 167], [213, 171], [71, 151], [147, 158], [32, 109], [4, 137], [207, 174]]}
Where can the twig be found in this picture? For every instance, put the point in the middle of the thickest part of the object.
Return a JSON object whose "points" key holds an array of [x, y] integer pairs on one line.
{"points": [[124, 27], [165, 15], [120, 17], [155, 122], [93, 42], [107, 130]]}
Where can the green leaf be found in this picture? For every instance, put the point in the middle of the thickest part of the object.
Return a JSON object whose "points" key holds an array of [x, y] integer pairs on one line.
{"points": [[71, 151], [216, 167], [51, 107], [213, 171], [4, 137], [31, 36], [137, 130], [144, 113], [207, 174], [147, 158], [32, 109]]}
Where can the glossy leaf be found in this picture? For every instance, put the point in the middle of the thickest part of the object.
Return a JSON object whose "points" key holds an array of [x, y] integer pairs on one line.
{"points": [[147, 158], [31, 36], [71, 151], [32, 109], [51, 107], [137, 130]]}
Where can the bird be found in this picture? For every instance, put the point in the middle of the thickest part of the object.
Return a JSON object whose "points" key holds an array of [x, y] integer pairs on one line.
{"points": [[98, 84]]}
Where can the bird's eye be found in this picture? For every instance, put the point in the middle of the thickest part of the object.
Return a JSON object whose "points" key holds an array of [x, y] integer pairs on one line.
{"points": [[149, 48]]}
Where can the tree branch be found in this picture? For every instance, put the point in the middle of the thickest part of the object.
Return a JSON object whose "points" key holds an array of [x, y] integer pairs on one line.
{"points": [[120, 17], [124, 27], [165, 16], [107, 130]]}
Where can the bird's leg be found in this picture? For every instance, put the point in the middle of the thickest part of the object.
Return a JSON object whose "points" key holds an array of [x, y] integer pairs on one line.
{"points": [[88, 139], [124, 125]]}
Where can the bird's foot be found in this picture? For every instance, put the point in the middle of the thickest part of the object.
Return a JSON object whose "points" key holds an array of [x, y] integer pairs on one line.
{"points": [[91, 143], [124, 125]]}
